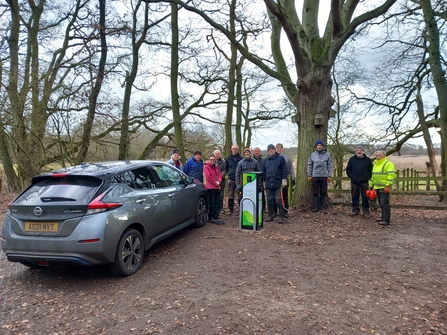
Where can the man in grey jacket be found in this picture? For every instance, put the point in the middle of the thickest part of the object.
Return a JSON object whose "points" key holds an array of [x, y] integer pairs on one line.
{"points": [[319, 172]]}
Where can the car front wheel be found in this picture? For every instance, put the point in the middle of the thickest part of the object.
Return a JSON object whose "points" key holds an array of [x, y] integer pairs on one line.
{"points": [[129, 254], [201, 213]]}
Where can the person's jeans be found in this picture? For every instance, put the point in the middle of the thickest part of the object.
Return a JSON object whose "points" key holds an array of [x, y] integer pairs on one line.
{"points": [[357, 191], [384, 202], [274, 196]]}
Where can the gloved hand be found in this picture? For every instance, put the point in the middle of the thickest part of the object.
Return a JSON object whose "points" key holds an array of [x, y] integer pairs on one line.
{"points": [[329, 179], [284, 183], [293, 182], [239, 190], [309, 178], [386, 189]]}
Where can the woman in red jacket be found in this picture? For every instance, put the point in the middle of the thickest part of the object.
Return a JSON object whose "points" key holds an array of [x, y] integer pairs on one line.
{"points": [[213, 180]]}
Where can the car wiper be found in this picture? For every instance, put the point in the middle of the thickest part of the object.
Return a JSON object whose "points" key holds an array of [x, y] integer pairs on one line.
{"points": [[51, 199]]}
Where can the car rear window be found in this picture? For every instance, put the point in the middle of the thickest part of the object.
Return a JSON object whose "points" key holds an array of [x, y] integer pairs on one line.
{"points": [[79, 189]]}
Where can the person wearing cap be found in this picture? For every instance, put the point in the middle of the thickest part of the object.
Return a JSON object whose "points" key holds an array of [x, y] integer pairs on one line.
{"points": [[319, 172], [275, 174], [175, 160], [220, 162], [230, 166], [359, 170], [194, 166], [247, 164], [291, 169], [383, 176]]}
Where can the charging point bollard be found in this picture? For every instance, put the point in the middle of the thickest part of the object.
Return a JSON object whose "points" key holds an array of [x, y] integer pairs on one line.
{"points": [[250, 212]]}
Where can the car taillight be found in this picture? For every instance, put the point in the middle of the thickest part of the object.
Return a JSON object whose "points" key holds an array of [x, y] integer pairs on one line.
{"points": [[97, 206]]}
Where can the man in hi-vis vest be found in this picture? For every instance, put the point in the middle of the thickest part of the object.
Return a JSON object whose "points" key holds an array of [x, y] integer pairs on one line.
{"points": [[383, 175]]}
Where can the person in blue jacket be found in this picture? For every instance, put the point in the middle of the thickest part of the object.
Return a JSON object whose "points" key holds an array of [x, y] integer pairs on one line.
{"points": [[275, 174], [194, 166]]}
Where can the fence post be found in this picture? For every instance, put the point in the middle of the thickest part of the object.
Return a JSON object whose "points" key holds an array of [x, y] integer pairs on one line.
{"points": [[427, 183]]}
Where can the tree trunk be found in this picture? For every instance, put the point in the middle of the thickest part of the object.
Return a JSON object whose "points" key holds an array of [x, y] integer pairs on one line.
{"points": [[439, 79], [178, 131], [315, 102]]}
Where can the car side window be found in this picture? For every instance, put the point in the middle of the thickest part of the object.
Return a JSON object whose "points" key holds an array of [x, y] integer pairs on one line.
{"points": [[140, 179], [168, 175]]}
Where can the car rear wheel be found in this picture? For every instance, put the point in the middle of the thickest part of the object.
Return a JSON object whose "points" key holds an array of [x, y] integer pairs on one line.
{"points": [[201, 213], [129, 254], [32, 266]]}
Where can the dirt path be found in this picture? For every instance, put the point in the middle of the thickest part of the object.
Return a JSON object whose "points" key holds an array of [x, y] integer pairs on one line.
{"points": [[316, 274]]}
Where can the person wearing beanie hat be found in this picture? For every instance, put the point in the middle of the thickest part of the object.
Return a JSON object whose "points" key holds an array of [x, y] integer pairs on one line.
{"points": [[319, 142], [359, 170], [275, 174], [175, 160], [230, 167], [247, 164], [194, 166], [319, 172]]}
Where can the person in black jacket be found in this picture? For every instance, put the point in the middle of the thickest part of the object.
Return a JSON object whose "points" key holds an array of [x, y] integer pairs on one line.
{"points": [[275, 174], [230, 166], [359, 169]]}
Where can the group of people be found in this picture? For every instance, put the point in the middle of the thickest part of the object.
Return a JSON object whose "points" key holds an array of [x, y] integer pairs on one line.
{"points": [[218, 173], [364, 176]]}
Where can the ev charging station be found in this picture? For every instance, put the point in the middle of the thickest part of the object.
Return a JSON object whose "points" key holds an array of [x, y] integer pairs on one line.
{"points": [[250, 211]]}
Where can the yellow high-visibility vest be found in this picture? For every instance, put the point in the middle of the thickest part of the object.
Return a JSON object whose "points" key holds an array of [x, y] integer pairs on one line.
{"points": [[383, 174]]}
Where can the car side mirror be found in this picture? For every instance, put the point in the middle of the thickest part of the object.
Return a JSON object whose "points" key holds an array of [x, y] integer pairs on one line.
{"points": [[189, 180]]}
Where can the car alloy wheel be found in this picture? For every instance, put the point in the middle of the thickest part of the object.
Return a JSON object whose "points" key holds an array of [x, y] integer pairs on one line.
{"points": [[201, 213], [129, 253]]}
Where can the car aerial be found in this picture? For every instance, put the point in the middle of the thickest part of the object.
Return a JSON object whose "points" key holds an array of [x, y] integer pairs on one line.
{"points": [[100, 213]]}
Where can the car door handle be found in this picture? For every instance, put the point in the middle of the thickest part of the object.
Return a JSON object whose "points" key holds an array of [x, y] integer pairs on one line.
{"points": [[172, 195], [140, 201]]}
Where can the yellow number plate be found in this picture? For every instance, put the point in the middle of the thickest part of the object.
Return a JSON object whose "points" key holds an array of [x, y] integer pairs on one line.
{"points": [[50, 227]]}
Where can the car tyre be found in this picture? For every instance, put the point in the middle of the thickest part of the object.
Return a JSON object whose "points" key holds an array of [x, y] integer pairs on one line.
{"points": [[129, 254], [32, 266], [201, 213]]}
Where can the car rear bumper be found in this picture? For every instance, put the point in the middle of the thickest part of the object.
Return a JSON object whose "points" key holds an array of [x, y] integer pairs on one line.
{"points": [[85, 246]]}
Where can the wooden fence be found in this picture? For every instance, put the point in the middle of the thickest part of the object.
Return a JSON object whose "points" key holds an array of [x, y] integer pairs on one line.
{"points": [[408, 182]]}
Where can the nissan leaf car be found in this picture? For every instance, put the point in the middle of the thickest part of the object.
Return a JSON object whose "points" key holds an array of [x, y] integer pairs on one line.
{"points": [[100, 213]]}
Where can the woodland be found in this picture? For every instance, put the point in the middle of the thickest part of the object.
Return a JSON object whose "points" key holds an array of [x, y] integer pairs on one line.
{"points": [[92, 80]]}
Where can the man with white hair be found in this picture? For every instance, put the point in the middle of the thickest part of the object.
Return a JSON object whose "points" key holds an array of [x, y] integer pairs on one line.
{"points": [[383, 175]]}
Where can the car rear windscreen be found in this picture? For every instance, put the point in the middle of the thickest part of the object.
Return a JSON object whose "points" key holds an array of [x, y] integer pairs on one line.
{"points": [[47, 189]]}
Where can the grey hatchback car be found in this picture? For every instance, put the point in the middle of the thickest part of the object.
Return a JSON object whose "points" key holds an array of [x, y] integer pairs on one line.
{"points": [[101, 213]]}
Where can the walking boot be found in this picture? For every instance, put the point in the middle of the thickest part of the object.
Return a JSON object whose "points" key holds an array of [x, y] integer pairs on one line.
{"points": [[286, 213], [231, 205], [323, 204], [316, 204], [270, 217], [281, 215]]}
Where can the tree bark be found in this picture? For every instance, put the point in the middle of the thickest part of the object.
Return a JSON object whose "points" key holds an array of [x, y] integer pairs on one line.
{"points": [[439, 79]]}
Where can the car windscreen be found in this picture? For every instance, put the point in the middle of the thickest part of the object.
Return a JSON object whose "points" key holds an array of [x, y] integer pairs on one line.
{"points": [[76, 189]]}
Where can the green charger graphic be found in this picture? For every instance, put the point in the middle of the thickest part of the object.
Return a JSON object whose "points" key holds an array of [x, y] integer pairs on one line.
{"points": [[251, 204]]}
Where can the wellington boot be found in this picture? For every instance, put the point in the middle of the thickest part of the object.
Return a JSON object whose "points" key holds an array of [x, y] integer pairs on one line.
{"points": [[281, 215], [323, 204], [316, 204], [270, 214]]}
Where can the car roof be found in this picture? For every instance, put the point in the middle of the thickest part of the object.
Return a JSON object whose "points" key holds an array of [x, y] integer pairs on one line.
{"points": [[101, 169]]}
